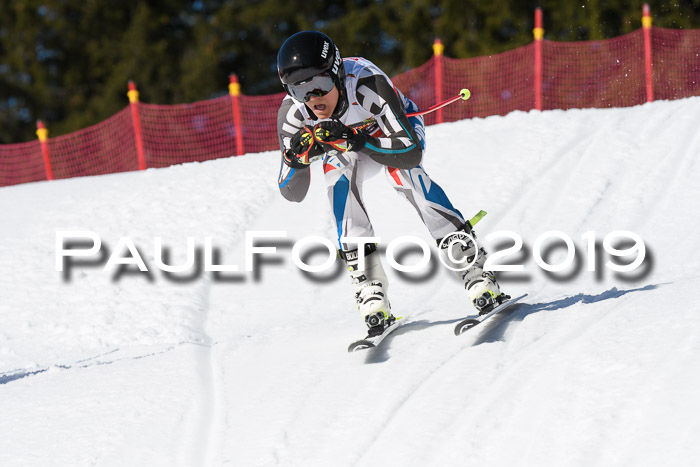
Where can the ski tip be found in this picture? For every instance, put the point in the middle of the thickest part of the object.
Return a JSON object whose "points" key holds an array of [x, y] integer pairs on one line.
{"points": [[464, 326], [371, 342], [360, 345], [474, 220]]}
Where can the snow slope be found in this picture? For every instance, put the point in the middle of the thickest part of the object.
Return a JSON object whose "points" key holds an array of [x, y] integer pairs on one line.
{"points": [[250, 369]]}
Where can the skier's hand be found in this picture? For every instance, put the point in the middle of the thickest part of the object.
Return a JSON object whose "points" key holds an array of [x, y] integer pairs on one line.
{"points": [[338, 136], [299, 155]]}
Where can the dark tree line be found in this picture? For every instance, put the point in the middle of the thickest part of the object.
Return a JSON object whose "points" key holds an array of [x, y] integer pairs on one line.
{"points": [[67, 62]]}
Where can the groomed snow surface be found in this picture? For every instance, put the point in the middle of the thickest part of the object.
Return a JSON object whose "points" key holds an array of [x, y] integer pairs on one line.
{"points": [[597, 368]]}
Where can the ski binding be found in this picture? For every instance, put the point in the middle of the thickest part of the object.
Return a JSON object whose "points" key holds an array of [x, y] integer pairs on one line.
{"points": [[469, 323], [373, 341]]}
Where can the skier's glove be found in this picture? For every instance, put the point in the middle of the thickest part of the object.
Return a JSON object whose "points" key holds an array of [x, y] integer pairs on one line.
{"points": [[338, 136], [302, 149]]}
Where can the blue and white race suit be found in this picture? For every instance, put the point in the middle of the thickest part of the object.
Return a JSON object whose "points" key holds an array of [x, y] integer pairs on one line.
{"points": [[396, 145]]}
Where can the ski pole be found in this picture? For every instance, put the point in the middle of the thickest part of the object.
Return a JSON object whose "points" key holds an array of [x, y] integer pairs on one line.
{"points": [[464, 95]]}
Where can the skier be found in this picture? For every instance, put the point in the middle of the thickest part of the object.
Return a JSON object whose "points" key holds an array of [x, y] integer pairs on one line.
{"points": [[327, 95]]}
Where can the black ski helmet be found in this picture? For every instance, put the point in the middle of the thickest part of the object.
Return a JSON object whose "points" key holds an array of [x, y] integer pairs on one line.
{"points": [[307, 54]]}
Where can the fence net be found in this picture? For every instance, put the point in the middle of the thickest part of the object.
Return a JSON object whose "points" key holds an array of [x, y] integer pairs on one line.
{"points": [[588, 74], [675, 63], [175, 134], [21, 163], [107, 147], [607, 73]]}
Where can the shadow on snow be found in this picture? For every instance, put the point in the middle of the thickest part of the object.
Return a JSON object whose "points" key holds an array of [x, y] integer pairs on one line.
{"points": [[493, 330]]}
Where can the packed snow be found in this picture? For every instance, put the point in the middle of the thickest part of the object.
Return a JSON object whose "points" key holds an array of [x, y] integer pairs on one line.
{"points": [[105, 364]]}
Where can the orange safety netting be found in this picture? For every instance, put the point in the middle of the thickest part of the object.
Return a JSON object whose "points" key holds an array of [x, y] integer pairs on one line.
{"points": [[605, 73]]}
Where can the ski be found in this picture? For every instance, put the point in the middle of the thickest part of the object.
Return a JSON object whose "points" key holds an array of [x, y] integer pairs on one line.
{"points": [[469, 323], [370, 342]]}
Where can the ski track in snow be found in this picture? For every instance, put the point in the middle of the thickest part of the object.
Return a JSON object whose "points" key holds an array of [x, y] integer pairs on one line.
{"points": [[218, 370], [500, 382]]}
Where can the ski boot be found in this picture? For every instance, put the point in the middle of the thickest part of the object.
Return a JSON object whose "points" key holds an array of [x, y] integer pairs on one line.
{"points": [[481, 286], [371, 285]]}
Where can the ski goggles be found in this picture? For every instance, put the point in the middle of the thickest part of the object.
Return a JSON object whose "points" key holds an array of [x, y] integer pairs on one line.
{"points": [[318, 86]]}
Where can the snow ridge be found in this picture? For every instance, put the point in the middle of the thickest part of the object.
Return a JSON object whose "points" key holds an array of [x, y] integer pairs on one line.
{"points": [[596, 368]]}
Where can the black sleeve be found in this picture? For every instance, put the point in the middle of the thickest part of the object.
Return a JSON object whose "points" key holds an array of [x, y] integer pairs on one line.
{"points": [[399, 147], [293, 183]]}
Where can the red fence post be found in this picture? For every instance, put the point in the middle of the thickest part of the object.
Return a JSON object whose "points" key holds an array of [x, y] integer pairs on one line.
{"points": [[43, 134], [133, 95], [234, 90], [538, 32], [646, 27], [438, 50]]}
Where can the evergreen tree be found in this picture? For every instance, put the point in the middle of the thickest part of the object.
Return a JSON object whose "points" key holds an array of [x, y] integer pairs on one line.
{"points": [[68, 61]]}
